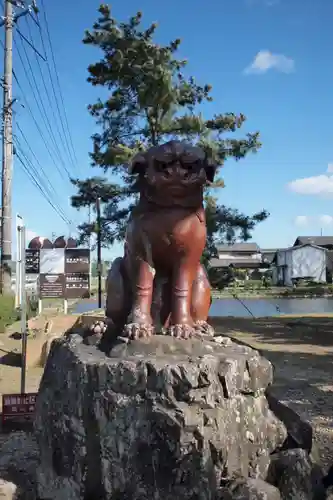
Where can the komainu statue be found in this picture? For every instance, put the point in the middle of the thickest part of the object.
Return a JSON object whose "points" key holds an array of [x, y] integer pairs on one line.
{"points": [[159, 285]]}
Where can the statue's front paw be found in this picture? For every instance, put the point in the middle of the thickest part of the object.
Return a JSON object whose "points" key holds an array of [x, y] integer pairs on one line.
{"points": [[135, 331], [203, 328], [181, 331], [95, 333]]}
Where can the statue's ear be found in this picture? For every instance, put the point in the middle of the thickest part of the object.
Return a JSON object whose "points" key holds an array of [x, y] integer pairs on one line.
{"points": [[138, 164], [210, 168]]}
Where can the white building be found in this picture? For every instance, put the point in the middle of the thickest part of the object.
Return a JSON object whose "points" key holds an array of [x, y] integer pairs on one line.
{"points": [[238, 255], [306, 261]]}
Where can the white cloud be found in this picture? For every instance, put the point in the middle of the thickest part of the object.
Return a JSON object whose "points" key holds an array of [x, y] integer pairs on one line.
{"points": [[319, 185], [265, 60], [305, 220], [301, 220], [325, 220], [330, 168]]}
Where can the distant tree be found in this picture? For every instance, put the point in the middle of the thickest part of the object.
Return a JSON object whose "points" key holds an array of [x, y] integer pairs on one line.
{"points": [[150, 100], [106, 264]]}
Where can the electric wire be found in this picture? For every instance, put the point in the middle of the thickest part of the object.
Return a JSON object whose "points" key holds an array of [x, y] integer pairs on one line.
{"points": [[41, 168], [40, 105], [44, 183], [44, 189], [46, 90], [34, 181], [36, 122], [64, 122]]}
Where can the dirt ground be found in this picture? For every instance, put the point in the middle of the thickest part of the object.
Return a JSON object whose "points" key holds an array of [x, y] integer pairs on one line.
{"points": [[301, 350], [10, 353]]}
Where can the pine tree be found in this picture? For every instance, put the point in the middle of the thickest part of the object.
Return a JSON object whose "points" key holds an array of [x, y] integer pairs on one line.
{"points": [[150, 101]]}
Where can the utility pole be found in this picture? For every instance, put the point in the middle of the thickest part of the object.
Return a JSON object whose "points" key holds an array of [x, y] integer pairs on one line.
{"points": [[10, 17], [7, 154], [99, 250]]}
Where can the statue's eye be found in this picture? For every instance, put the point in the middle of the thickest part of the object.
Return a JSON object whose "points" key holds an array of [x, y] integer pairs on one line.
{"points": [[193, 166], [160, 166]]}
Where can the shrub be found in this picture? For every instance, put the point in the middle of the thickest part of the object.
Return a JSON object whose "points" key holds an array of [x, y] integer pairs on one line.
{"points": [[8, 313]]}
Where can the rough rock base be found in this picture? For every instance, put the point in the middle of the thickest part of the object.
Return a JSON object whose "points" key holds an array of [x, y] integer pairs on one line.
{"points": [[160, 419]]}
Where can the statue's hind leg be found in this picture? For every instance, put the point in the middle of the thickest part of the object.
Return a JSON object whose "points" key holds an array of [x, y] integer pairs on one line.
{"points": [[118, 300], [201, 302]]}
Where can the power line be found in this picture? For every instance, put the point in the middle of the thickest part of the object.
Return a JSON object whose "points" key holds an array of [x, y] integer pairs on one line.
{"points": [[40, 105], [44, 183], [68, 140], [41, 168], [30, 44], [34, 179], [47, 93], [34, 119]]}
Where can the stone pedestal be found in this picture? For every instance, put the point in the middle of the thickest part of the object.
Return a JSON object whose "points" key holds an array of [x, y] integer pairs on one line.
{"points": [[157, 419]]}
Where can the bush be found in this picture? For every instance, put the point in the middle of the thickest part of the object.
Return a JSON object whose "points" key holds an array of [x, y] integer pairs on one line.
{"points": [[252, 284], [8, 313]]}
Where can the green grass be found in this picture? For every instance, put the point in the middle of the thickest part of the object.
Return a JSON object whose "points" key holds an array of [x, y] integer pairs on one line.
{"points": [[259, 291]]}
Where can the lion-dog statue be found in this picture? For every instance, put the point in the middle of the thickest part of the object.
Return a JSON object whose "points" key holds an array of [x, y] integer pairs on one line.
{"points": [[159, 285]]}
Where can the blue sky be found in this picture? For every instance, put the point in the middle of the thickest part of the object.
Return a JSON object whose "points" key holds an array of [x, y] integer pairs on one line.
{"points": [[269, 59]]}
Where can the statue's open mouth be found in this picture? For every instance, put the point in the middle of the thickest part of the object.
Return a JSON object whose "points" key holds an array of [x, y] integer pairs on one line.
{"points": [[176, 188]]}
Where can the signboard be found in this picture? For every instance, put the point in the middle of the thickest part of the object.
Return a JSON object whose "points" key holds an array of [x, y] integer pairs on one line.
{"points": [[77, 260], [52, 261], [77, 286], [31, 261], [63, 273], [18, 408], [51, 286]]}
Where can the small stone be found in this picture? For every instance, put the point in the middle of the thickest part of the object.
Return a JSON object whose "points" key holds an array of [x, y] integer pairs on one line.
{"points": [[97, 329], [219, 339], [249, 489], [7, 490], [297, 478], [299, 431], [19, 459]]}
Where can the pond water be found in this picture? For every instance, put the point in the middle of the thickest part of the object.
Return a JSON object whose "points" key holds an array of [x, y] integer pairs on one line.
{"points": [[270, 307], [244, 307]]}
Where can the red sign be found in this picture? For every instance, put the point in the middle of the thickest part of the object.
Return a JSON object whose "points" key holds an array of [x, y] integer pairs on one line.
{"points": [[18, 407]]}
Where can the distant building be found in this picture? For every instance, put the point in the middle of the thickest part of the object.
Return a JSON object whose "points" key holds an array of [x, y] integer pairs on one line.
{"points": [[268, 255], [307, 261], [320, 241], [238, 255], [324, 242]]}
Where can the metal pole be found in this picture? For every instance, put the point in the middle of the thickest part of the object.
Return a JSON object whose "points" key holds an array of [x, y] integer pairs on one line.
{"points": [[90, 245], [24, 330], [99, 251], [18, 264], [7, 155]]}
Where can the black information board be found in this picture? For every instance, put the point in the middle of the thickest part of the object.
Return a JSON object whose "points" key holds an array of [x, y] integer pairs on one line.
{"points": [[32, 261]]}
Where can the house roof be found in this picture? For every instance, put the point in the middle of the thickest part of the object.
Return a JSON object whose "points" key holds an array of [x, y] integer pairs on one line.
{"points": [[239, 263], [315, 240], [308, 244], [239, 247], [268, 254]]}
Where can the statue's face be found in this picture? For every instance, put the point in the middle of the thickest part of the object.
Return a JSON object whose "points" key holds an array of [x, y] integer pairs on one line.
{"points": [[175, 176], [174, 168]]}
